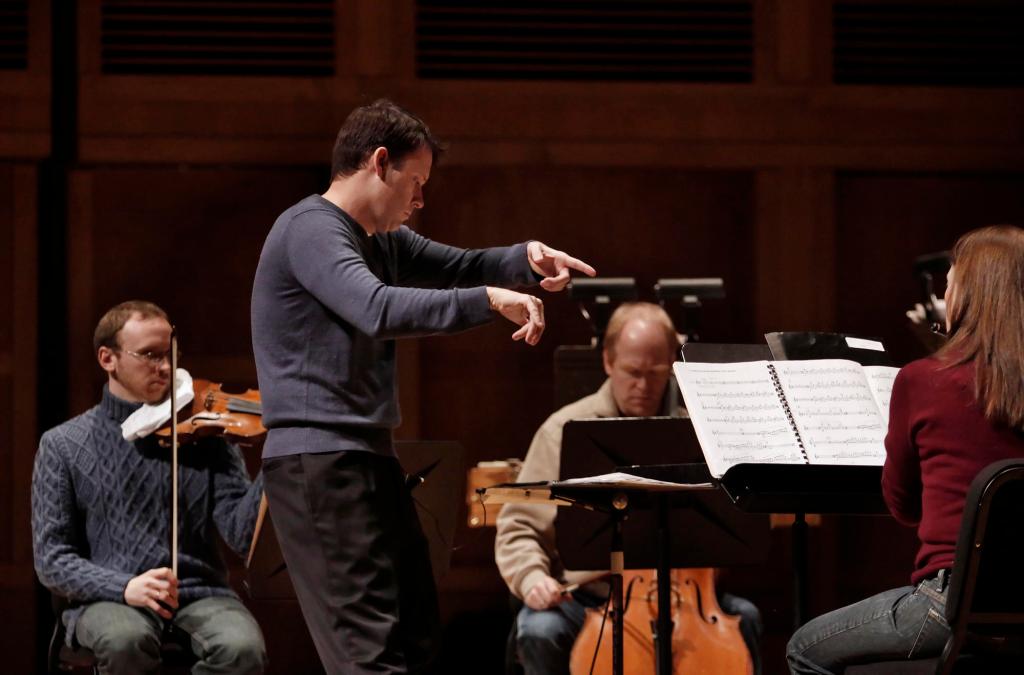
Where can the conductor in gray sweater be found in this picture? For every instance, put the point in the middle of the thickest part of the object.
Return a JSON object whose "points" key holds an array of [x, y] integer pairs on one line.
{"points": [[339, 279]]}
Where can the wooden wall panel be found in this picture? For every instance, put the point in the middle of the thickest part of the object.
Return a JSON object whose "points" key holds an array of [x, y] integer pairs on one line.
{"points": [[151, 120], [885, 220], [7, 360], [25, 94], [17, 362], [187, 239], [791, 115], [17, 406], [491, 393], [796, 254]]}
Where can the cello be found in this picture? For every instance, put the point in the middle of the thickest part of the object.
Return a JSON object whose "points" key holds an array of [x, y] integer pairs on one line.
{"points": [[705, 640]]}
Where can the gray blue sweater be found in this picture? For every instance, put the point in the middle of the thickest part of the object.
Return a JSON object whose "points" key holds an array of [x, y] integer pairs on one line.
{"points": [[328, 302], [101, 509]]}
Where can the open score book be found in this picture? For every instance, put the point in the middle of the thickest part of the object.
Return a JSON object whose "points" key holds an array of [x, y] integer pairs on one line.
{"points": [[827, 411]]}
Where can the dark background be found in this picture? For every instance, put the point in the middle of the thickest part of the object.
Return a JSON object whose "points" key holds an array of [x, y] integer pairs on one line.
{"points": [[804, 150]]}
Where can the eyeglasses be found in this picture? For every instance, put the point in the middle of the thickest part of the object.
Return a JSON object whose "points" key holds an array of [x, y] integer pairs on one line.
{"points": [[154, 359]]}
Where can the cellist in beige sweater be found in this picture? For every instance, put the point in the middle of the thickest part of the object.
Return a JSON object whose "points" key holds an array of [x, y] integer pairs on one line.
{"points": [[640, 345]]}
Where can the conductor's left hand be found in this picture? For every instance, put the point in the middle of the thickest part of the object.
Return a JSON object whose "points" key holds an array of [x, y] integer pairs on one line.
{"points": [[554, 265], [526, 311]]}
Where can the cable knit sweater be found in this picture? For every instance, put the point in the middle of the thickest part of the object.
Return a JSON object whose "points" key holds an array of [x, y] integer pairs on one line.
{"points": [[101, 509]]}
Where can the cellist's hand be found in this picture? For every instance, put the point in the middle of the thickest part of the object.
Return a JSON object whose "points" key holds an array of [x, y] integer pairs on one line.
{"points": [[545, 594], [156, 589]]}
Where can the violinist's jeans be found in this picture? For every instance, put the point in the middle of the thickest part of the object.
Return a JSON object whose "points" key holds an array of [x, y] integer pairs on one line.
{"points": [[225, 637], [903, 623], [545, 638]]}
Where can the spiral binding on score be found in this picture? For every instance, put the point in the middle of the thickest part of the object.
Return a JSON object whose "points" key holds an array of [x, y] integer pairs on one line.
{"points": [[789, 413]]}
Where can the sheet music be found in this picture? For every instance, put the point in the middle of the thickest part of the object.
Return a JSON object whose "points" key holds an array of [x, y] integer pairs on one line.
{"points": [[618, 479], [880, 379], [835, 410], [737, 414]]}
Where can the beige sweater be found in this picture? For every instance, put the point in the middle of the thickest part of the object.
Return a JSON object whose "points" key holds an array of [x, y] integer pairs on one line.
{"points": [[524, 547]]}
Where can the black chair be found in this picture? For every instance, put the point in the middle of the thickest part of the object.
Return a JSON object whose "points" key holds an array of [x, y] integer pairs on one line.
{"points": [[175, 649], [985, 601]]}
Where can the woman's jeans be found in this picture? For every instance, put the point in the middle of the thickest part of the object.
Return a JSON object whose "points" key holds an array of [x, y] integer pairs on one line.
{"points": [[904, 623]]}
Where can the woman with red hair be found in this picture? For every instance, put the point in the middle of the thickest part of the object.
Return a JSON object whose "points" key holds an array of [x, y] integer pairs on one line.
{"points": [[950, 416]]}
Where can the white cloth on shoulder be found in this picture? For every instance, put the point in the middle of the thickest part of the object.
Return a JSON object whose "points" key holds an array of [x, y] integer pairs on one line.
{"points": [[151, 417]]}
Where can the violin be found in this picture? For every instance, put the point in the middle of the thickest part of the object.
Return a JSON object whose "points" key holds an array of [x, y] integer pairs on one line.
{"points": [[237, 417], [216, 412], [705, 640]]}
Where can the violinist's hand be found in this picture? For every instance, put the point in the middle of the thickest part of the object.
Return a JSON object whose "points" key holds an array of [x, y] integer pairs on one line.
{"points": [[545, 594], [153, 589], [525, 311], [554, 265]]}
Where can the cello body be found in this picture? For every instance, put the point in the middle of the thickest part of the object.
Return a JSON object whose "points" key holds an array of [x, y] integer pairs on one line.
{"points": [[705, 640]]}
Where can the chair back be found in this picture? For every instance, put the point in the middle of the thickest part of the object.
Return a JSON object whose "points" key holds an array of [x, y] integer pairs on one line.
{"points": [[985, 593]]}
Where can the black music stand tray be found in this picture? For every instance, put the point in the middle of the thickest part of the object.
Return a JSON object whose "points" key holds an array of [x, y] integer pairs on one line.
{"points": [[716, 533]]}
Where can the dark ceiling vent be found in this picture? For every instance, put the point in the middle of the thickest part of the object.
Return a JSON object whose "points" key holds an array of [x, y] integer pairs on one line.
{"points": [[13, 34], [636, 40], [970, 43], [218, 37]]}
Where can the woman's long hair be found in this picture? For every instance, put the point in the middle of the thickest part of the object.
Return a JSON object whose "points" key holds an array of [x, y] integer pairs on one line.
{"points": [[986, 315]]}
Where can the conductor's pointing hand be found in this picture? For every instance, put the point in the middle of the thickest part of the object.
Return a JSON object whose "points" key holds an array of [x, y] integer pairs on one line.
{"points": [[554, 265]]}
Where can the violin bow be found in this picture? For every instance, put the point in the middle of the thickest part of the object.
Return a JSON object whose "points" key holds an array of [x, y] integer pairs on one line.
{"points": [[174, 453]]}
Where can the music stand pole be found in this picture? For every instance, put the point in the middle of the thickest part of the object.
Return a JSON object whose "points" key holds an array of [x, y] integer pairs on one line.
{"points": [[799, 534], [663, 637], [619, 504]]}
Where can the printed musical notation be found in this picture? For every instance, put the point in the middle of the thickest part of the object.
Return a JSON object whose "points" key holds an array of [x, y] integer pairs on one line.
{"points": [[737, 415], [880, 379], [819, 412], [835, 409]]}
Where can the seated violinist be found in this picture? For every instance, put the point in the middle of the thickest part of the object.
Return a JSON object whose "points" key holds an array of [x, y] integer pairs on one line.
{"points": [[101, 518], [950, 415], [640, 345]]}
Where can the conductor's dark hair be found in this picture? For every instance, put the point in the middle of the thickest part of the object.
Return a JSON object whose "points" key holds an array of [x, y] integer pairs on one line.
{"points": [[381, 124]]}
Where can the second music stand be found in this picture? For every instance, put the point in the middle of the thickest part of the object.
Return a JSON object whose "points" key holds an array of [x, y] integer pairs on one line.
{"points": [[716, 533]]}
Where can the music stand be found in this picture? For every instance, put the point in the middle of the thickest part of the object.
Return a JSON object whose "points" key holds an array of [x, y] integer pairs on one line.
{"points": [[440, 473], [809, 345], [797, 488], [663, 448]]}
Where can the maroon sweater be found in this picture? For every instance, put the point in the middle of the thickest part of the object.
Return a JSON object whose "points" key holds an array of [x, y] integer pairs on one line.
{"points": [[937, 443]]}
